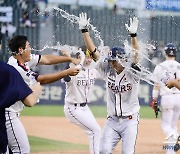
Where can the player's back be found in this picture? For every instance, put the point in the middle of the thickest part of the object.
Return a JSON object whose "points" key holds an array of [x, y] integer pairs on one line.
{"points": [[169, 69]]}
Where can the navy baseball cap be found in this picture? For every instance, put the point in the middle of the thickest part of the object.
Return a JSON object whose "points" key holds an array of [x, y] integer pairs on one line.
{"points": [[170, 50], [116, 52]]}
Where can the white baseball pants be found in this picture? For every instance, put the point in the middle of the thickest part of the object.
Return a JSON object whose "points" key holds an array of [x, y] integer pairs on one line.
{"points": [[17, 138], [116, 129], [83, 117]]}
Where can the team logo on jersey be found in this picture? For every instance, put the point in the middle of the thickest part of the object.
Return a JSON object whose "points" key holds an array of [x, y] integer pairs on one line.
{"points": [[121, 88], [85, 82]]}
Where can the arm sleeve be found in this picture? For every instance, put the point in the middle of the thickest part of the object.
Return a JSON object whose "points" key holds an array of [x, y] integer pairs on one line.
{"points": [[34, 60], [102, 67], [13, 88], [155, 75], [22, 88]]}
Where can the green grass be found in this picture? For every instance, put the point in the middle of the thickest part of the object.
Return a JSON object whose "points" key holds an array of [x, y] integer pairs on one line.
{"points": [[41, 144], [58, 110]]}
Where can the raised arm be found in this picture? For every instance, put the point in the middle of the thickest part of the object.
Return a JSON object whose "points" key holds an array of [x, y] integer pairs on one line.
{"points": [[132, 28], [83, 26]]}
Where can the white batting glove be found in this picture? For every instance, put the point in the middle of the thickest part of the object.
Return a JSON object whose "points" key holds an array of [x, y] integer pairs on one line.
{"points": [[83, 21], [132, 28]]}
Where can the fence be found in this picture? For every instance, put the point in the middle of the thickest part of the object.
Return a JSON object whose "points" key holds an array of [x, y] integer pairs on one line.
{"points": [[31, 32]]}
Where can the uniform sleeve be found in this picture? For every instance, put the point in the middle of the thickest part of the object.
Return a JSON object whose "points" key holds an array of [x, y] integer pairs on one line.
{"points": [[34, 60], [22, 88], [155, 74], [13, 88], [102, 68]]}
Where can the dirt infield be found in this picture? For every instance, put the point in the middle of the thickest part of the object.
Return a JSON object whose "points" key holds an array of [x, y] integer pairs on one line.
{"points": [[150, 137]]}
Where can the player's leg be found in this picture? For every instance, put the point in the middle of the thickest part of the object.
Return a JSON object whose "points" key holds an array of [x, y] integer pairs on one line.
{"points": [[176, 112], [167, 107], [129, 135], [83, 117], [17, 137], [110, 137]]}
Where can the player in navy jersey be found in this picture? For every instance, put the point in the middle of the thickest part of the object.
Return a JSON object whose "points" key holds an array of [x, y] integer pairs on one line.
{"points": [[12, 89]]}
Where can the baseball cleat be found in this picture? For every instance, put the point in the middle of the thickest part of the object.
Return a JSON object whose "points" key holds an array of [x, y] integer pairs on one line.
{"points": [[177, 146]]}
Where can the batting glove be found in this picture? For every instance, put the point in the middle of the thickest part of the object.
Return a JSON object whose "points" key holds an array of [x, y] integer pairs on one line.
{"points": [[132, 28], [83, 21], [153, 104]]}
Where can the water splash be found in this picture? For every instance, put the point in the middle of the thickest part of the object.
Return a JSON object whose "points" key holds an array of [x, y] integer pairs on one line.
{"points": [[75, 19], [145, 50]]}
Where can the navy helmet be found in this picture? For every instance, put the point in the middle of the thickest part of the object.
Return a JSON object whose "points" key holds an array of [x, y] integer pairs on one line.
{"points": [[116, 52], [170, 50]]}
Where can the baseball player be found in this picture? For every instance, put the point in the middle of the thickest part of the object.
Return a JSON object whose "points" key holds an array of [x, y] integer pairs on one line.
{"points": [[24, 61], [13, 88], [77, 99], [122, 92], [170, 106]]}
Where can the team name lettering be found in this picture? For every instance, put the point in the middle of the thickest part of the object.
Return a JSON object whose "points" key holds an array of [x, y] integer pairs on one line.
{"points": [[121, 88], [85, 82]]}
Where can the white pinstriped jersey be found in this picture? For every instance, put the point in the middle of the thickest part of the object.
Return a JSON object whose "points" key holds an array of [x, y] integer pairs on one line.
{"points": [[77, 90], [122, 91], [27, 74], [169, 69]]}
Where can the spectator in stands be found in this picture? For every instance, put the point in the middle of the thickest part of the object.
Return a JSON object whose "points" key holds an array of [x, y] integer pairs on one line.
{"points": [[22, 4], [10, 30], [25, 19], [44, 18], [4, 28]]}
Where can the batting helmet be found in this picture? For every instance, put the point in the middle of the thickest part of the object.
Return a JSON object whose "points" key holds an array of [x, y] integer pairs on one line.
{"points": [[170, 50], [116, 52]]}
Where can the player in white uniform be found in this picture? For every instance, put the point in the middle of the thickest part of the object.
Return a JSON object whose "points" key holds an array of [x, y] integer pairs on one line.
{"points": [[24, 61], [77, 99], [170, 105], [122, 92]]}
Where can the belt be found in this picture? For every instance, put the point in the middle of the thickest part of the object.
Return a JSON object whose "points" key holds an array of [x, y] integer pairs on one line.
{"points": [[80, 104], [116, 118]]}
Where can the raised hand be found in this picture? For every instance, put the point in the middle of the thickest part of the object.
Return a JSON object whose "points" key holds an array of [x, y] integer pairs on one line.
{"points": [[133, 26], [83, 21]]}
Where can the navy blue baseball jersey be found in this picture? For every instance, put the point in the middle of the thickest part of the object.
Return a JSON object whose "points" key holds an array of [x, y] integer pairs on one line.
{"points": [[12, 89]]}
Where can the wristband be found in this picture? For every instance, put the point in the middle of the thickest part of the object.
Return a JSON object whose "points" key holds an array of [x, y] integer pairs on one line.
{"points": [[84, 30], [155, 94], [94, 51], [133, 35]]}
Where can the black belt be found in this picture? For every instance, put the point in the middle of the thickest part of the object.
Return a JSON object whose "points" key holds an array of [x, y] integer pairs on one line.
{"points": [[116, 118], [81, 104]]}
